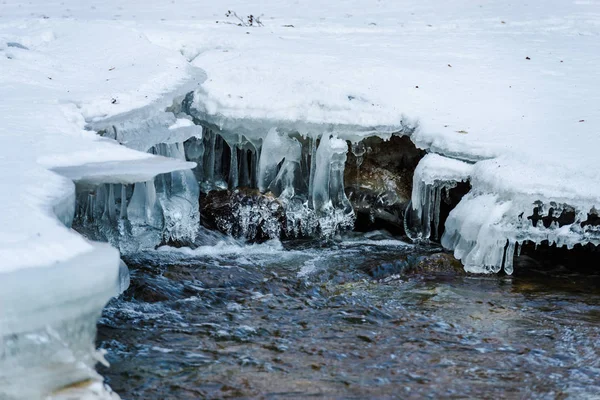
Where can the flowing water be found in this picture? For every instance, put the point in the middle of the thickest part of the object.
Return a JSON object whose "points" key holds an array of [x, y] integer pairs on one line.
{"points": [[360, 317]]}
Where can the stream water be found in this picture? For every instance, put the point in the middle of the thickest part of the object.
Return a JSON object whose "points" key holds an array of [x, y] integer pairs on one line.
{"points": [[360, 317]]}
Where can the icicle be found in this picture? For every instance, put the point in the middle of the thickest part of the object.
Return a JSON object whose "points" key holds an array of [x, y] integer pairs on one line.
{"points": [[305, 162], [218, 166], [437, 199], [244, 173], [100, 201], [519, 246], [426, 203], [331, 157], [90, 207], [137, 204], [277, 146], [233, 167], [359, 150], [194, 151], [320, 188], [313, 166], [150, 194], [509, 257], [110, 204], [336, 183], [254, 160], [209, 162], [123, 214]]}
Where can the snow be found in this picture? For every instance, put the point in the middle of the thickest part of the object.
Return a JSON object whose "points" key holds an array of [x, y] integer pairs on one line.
{"points": [[56, 77], [49, 91], [513, 89]]}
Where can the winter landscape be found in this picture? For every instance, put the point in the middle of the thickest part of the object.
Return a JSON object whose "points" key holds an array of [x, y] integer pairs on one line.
{"points": [[291, 199]]}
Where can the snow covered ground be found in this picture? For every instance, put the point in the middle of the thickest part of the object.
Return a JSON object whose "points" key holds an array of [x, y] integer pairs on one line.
{"points": [[478, 80], [513, 87]]}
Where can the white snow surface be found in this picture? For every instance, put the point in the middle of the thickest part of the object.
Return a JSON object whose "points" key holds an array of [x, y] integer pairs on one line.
{"points": [[514, 83], [64, 77]]}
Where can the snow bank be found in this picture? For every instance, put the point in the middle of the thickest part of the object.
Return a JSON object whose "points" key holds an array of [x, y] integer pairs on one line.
{"points": [[510, 88], [56, 75]]}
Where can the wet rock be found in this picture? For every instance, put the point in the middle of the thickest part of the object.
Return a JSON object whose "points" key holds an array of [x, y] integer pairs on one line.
{"points": [[378, 178], [437, 263], [243, 213], [142, 291]]}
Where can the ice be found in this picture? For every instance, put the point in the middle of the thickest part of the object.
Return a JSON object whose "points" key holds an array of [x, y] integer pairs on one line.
{"points": [[511, 87], [290, 171], [497, 215], [484, 229], [178, 194], [140, 211], [328, 185], [233, 166], [434, 175], [140, 130], [48, 321], [53, 282], [279, 148], [209, 166]]}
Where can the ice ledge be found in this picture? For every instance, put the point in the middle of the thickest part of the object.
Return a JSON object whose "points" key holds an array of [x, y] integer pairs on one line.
{"points": [[34, 297], [48, 321], [123, 172], [255, 125], [507, 205]]}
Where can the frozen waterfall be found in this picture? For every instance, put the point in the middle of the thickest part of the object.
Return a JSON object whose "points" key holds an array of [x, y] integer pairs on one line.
{"points": [[283, 173]]}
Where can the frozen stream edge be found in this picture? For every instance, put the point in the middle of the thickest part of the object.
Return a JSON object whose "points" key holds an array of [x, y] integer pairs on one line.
{"points": [[34, 239]]}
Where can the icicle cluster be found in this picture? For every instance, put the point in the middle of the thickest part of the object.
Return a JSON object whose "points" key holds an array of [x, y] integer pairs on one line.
{"points": [[485, 229], [433, 177], [306, 180], [303, 173], [144, 214]]}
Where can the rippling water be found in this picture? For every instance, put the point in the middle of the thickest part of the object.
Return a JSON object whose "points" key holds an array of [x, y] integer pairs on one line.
{"points": [[352, 319]]}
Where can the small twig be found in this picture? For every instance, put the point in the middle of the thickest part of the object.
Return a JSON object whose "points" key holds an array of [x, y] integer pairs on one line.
{"points": [[229, 13], [250, 20]]}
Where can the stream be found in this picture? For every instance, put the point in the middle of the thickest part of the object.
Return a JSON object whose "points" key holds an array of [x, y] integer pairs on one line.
{"points": [[363, 316]]}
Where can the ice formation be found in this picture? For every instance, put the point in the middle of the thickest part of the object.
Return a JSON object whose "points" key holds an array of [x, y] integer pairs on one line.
{"points": [[518, 103], [301, 182], [50, 341], [138, 212], [53, 281], [491, 222], [433, 176]]}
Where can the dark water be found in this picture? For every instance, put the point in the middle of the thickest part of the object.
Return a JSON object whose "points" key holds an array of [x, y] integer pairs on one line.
{"points": [[348, 320]]}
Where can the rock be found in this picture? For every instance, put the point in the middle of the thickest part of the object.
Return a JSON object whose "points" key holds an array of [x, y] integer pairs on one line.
{"points": [[437, 263], [243, 213], [378, 178]]}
